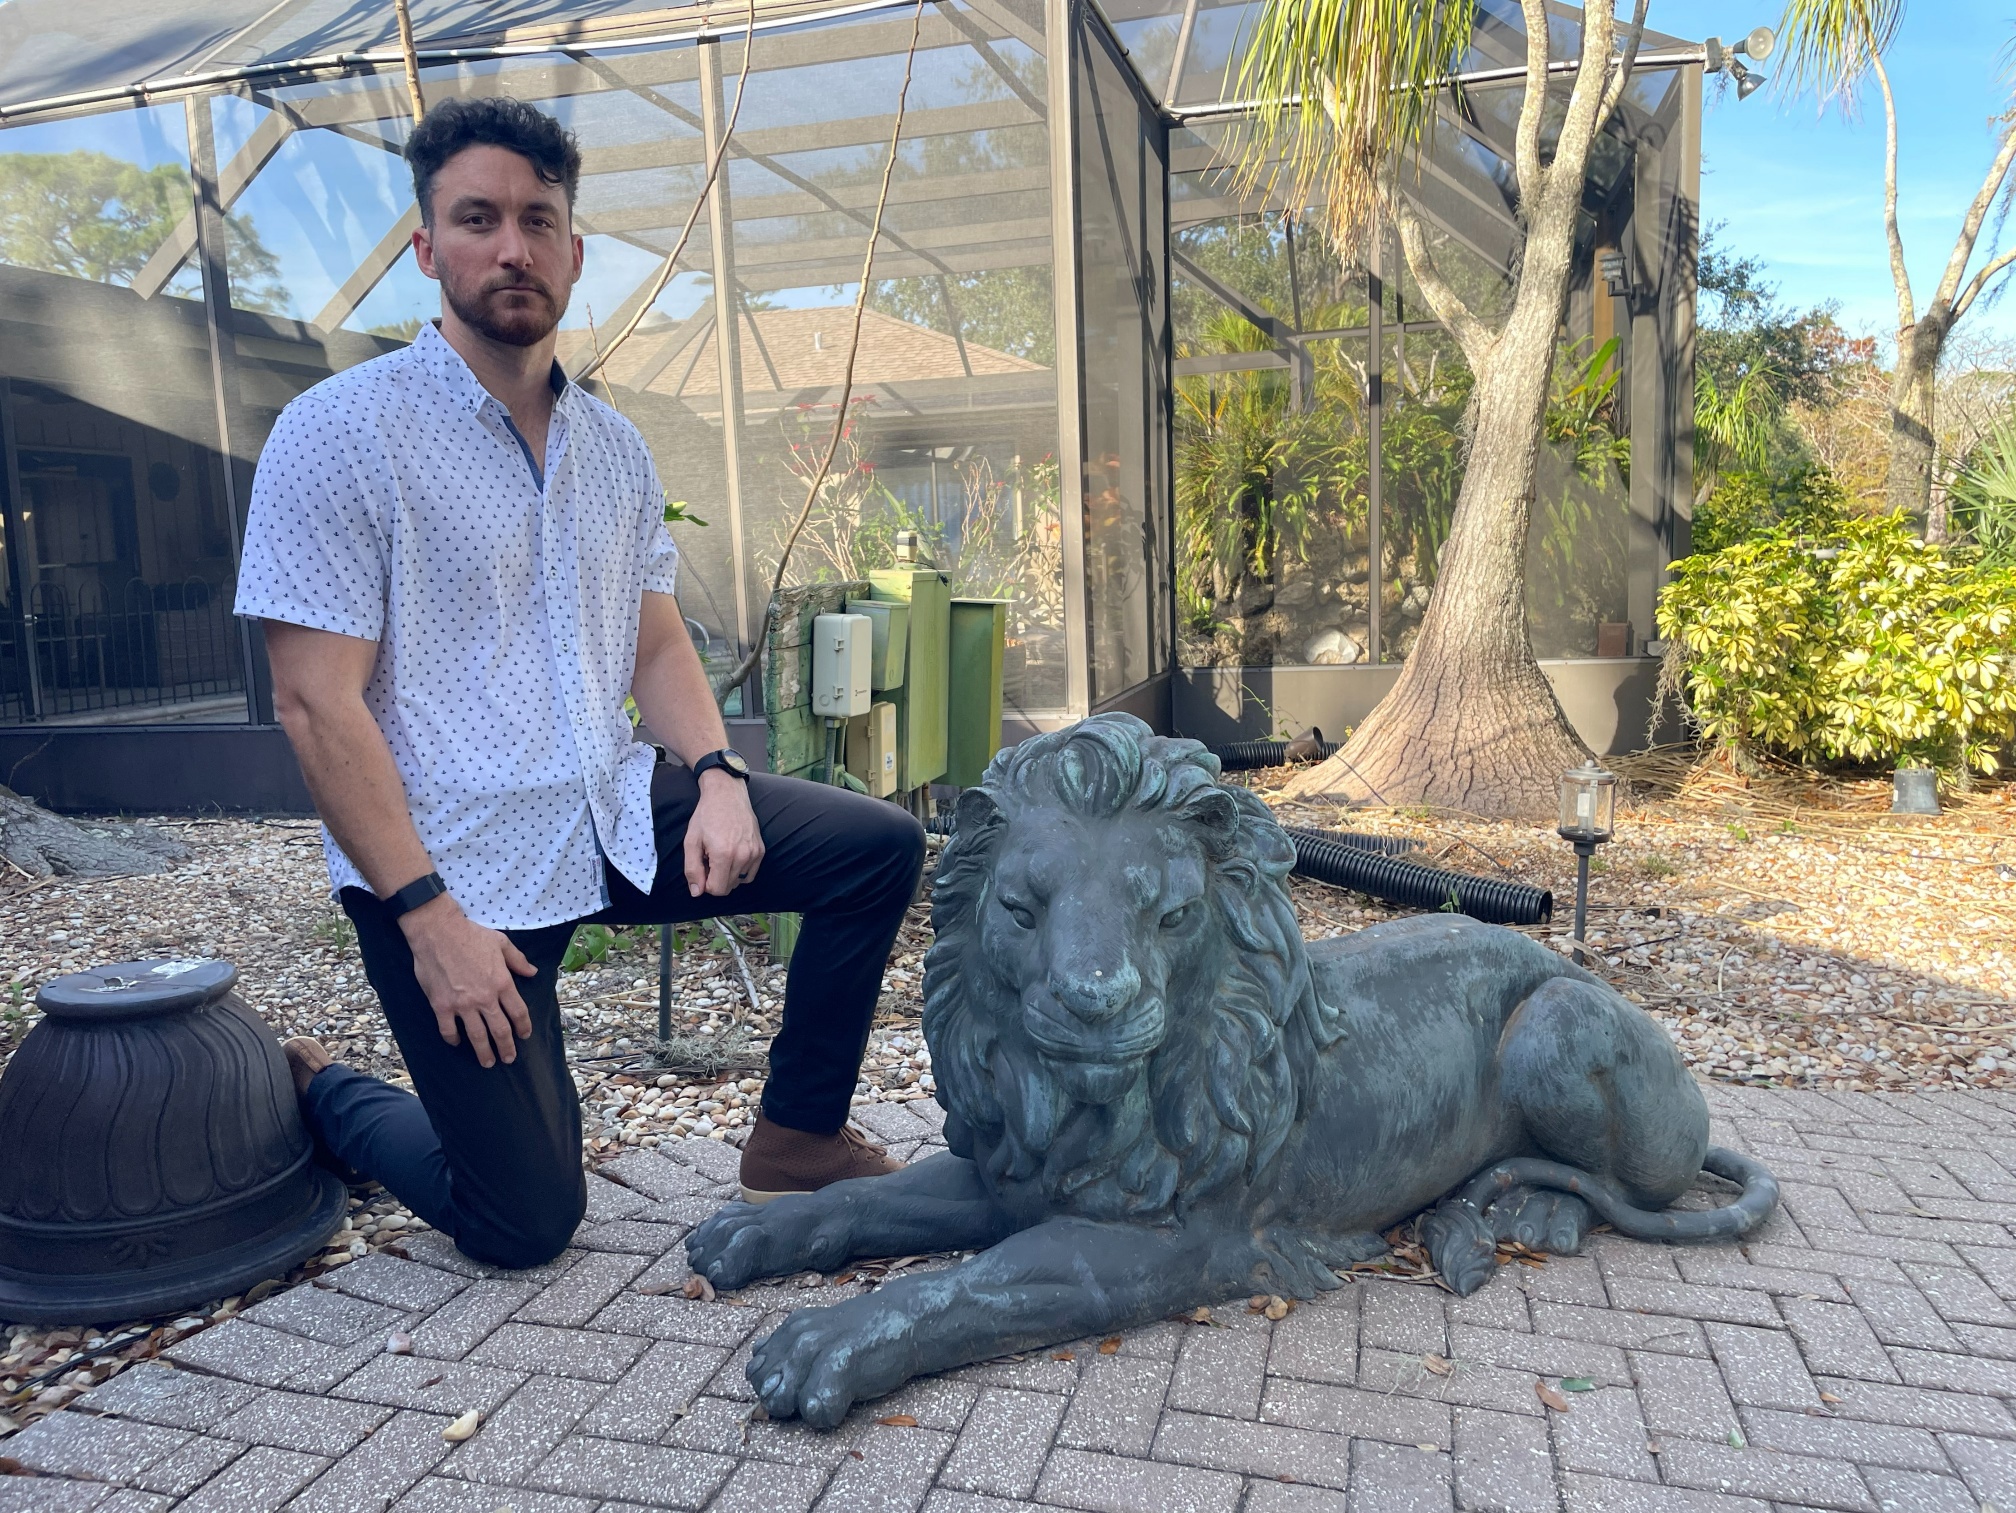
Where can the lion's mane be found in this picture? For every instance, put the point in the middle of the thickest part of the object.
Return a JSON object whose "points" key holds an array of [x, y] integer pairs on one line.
{"points": [[1222, 1091]]}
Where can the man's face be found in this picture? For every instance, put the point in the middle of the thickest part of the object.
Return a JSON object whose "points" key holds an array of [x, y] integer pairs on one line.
{"points": [[502, 245]]}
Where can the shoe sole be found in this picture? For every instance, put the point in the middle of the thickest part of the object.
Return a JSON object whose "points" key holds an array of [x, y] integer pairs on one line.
{"points": [[757, 1196]]}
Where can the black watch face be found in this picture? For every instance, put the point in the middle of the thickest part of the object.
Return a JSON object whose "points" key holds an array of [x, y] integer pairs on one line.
{"points": [[734, 761]]}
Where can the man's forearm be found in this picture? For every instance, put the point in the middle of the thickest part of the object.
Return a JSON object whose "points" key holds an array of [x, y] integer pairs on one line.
{"points": [[357, 791], [676, 700]]}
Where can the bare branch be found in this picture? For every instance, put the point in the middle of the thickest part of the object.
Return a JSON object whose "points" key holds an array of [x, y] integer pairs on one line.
{"points": [[1592, 84], [1620, 80], [1907, 312], [1979, 282], [1977, 213], [1533, 107], [1472, 335]]}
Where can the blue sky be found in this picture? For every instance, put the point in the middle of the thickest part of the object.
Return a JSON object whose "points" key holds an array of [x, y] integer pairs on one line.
{"points": [[1805, 191]]}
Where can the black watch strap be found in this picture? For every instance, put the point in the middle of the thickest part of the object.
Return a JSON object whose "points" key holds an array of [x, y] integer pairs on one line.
{"points": [[421, 891], [728, 759]]}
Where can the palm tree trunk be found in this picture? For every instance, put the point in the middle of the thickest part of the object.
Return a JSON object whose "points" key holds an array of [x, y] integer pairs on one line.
{"points": [[1908, 486], [1473, 723]]}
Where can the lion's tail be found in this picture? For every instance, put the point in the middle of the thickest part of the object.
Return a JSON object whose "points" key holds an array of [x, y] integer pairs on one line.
{"points": [[1749, 1209]]}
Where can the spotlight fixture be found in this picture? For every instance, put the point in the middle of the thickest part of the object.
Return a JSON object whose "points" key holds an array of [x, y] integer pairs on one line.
{"points": [[1756, 45]]}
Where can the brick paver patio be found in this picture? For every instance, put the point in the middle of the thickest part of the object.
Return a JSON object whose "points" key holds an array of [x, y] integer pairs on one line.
{"points": [[1859, 1356]]}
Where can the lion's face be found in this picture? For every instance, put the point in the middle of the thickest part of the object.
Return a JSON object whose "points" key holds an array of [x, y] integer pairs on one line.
{"points": [[1090, 926]]}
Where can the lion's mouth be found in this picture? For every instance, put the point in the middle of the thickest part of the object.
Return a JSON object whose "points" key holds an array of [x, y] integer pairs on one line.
{"points": [[1128, 1040]]}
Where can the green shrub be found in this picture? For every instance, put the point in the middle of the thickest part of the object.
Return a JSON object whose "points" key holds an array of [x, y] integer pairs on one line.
{"points": [[1857, 644], [1803, 497]]}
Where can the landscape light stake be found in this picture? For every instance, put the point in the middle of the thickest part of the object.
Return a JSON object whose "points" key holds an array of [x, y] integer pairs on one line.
{"points": [[1587, 820]]}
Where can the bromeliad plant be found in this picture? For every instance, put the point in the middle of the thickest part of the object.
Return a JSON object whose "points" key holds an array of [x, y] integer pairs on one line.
{"points": [[1863, 644]]}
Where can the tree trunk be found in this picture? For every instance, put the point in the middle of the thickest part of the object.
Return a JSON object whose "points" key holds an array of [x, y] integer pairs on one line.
{"points": [[1473, 723], [41, 844], [1908, 486]]}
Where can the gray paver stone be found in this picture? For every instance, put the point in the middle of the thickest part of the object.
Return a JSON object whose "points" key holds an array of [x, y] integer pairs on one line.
{"points": [[1469, 1385], [1604, 1432], [1583, 1493], [26, 1494], [1542, 1355], [607, 1200], [1221, 1370], [1395, 1316], [759, 1487], [936, 1402], [1919, 1492], [1762, 1367], [588, 1467], [396, 1283], [1117, 1405], [1750, 1472], [182, 1471], [1318, 1344], [97, 1449], [1498, 1304], [652, 1175], [1682, 1396], [1989, 1466], [1116, 1484], [324, 1314], [1917, 1407], [560, 1352], [295, 1421], [635, 1237], [1567, 1279], [1961, 1373], [1356, 1413], [1610, 1326], [249, 1352], [1004, 1444], [654, 1392], [450, 1387], [1388, 1479], [1959, 1295], [157, 1393], [1837, 1341], [439, 1494], [368, 1479], [518, 1435], [1502, 1464], [1899, 1315], [1682, 1300], [1288, 1497], [715, 1160], [467, 1320], [258, 1481], [668, 1318], [1848, 1439], [584, 1291], [1223, 1444], [892, 1473]]}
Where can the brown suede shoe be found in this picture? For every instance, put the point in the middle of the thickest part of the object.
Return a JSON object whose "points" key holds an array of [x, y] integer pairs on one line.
{"points": [[305, 1057], [778, 1161]]}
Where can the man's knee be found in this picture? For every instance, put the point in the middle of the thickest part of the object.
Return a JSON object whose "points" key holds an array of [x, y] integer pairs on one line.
{"points": [[525, 1233], [897, 847]]}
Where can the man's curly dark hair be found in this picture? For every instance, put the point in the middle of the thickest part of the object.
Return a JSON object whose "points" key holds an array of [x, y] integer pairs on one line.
{"points": [[491, 121]]}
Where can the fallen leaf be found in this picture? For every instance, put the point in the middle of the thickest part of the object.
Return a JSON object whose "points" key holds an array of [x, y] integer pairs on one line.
{"points": [[432, 1381], [1278, 1309], [396, 1249], [1828, 1397], [463, 1427], [9, 1466], [1550, 1397], [262, 1291], [1736, 1438], [1257, 1303], [699, 1288], [1653, 1447], [1199, 1315], [1577, 1384], [1438, 1365], [654, 1289], [843, 1279], [1110, 1347], [898, 1421], [857, 1455], [1063, 1355], [1430, 1448], [399, 1342]]}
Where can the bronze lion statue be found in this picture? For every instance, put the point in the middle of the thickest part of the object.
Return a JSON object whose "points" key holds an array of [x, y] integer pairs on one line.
{"points": [[1158, 1096]]}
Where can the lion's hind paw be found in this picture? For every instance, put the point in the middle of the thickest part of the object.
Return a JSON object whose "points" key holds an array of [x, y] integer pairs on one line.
{"points": [[1460, 1244], [1556, 1223]]}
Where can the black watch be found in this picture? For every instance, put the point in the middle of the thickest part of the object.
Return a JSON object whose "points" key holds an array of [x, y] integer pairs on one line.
{"points": [[728, 759], [421, 891]]}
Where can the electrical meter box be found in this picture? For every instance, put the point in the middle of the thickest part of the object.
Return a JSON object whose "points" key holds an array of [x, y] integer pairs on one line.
{"points": [[892, 640], [871, 749], [922, 713], [842, 656]]}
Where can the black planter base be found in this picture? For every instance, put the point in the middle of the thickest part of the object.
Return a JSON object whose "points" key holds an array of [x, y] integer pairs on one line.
{"points": [[114, 1297]]}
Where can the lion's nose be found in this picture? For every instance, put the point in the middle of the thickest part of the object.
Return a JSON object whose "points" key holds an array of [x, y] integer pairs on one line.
{"points": [[1096, 993]]}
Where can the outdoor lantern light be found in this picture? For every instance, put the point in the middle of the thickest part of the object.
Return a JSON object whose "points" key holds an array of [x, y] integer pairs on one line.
{"points": [[1611, 263], [1588, 819]]}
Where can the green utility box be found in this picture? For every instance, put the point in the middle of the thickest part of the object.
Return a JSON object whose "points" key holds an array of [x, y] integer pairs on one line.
{"points": [[795, 741], [979, 635], [922, 712], [892, 640]]}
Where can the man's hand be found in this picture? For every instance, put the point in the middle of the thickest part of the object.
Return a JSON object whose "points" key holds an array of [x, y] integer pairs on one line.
{"points": [[724, 847], [466, 972]]}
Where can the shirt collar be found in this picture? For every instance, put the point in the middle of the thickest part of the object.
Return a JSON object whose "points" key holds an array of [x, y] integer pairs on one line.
{"points": [[446, 364]]}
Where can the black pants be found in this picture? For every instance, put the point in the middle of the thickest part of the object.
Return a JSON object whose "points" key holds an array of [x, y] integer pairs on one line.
{"points": [[492, 1157]]}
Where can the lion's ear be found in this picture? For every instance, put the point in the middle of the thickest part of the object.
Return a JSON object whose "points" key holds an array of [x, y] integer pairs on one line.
{"points": [[975, 812]]}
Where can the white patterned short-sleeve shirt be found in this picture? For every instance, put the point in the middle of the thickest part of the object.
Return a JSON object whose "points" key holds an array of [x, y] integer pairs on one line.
{"points": [[397, 503]]}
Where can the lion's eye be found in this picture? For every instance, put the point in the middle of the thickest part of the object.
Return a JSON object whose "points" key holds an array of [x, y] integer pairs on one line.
{"points": [[1020, 915], [1179, 916]]}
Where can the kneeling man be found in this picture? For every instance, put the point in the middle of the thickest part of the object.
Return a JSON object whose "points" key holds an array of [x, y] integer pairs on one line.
{"points": [[461, 561]]}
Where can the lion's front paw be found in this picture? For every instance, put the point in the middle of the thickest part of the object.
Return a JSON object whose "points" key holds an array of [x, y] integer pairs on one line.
{"points": [[744, 1241], [822, 1361]]}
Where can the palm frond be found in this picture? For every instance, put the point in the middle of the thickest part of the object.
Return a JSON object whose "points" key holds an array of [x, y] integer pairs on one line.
{"points": [[1829, 44], [1343, 87]]}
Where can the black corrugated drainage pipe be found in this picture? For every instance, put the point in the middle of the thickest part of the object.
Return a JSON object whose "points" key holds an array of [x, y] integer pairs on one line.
{"points": [[1239, 756], [1409, 885], [1384, 845]]}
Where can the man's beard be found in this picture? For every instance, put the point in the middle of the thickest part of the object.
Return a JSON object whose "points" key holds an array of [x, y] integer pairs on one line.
{"points": [[522, 323]]}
